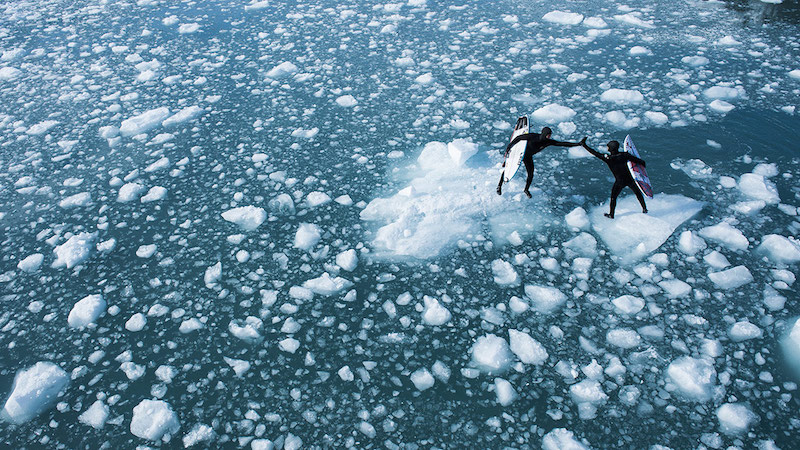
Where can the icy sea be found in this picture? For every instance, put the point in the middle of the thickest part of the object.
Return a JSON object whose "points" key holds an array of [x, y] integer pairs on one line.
{"points": [[274, 225]]}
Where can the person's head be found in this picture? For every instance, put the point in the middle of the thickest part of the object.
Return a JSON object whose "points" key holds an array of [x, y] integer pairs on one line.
{"points": [[546, 132], [613, 147]]}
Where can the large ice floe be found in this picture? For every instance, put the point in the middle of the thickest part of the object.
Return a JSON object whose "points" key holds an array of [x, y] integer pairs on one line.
{"points": [[632, 234], [34, 390], [450, 200]]}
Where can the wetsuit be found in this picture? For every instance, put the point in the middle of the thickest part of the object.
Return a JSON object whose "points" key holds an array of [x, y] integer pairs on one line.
{"points": [[536, 143], [618, 163]]}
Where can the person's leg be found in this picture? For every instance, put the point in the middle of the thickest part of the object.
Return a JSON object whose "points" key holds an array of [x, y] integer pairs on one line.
{"points": [[500, 184], [639, 196], [615, 190], [529, 168]]}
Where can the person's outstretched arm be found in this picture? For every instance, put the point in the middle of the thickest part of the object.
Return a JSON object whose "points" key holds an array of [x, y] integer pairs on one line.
{"points": [[520, 138], [594, 152], [549, 141]]}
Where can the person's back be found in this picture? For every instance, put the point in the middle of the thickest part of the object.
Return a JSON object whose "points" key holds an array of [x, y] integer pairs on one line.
{"points": [[618, 163]]}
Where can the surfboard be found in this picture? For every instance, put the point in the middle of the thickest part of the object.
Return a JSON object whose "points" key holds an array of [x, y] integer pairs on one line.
{"points": [[637, 170], [514, 157]]}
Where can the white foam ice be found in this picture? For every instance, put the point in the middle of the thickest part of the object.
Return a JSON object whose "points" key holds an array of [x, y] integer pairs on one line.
{"points": [[446, 203], [34, 390], [545, 299], [76, 250], [86, 311], [143, 122], [553, 113], [632, 234], [780, 249], [693, 378], [327, 285], [491, 353], [526, 348], [506, 394], [732, 278], [433, 312], [735, 418], [154, 420], [31, 263], [246, 217], [561, 439], [96, 415], [563, 17]]}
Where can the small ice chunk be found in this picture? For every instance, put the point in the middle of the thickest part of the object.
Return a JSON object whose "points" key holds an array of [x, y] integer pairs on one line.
{"points": [[247, 217], [689, 243], [282, 70], [86, 311], [505, 391], [716, 260], [780, 249], [491, 353], [757, 187], [202, 433], [186, 114], [553, 113], [622, 96], [239, 366], [735, 418], [34, 390], [347, 260], [154, 194], [213, 274], [628, 304], [731, 278], [527, 349], [154, 420], [143, 122], [623, 338], [307, 236], [434, 313], [504, 273], [692, 377], [31, 263], [561, 439], [545, 298], [563, 17], [130, 192], [726, 235], [289, 345], [675, 288], [316, 198], [422, 379], [744, 330], [136, 322], [577, 218], [327, 285], [95, 416], [146, 251], [73, 201], [77, 249], [461, 150], [346, 101]]}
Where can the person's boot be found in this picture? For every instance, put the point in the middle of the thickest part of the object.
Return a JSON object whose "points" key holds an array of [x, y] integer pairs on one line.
{"points": [[527, 193], [609, 215]]}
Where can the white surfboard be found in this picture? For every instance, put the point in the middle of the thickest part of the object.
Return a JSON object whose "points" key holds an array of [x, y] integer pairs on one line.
{"points": [[514, 157]]}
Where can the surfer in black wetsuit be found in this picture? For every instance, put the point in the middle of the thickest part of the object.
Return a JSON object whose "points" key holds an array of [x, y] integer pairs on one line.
{"points": [[536, 143], [617, 162]]}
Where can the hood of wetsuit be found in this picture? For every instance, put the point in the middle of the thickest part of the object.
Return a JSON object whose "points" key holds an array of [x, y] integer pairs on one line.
{"points": [[546, 132], [613, 147]]}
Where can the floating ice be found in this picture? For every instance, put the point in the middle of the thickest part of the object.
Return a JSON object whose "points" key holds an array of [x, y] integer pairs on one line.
{"points": [[587, 394], [561, 439], [545, 298], [10, 73], [186, 114], [744, 330], [434, 313], [577, 218], [201, 433], [527, 349], [490, 352], [154, 194], [307, 236], [282, 70], [130, 192], [154, 420], [347, 260], [326, 285], [622, 96], [735, 418], [623, 338], [73, 201], [461, 150], [757, 187], [504, 273], [632, 234], [726, 235], [675, 288], [693, 378], [422, 379], [95, 416], [31, 263], [76, 250], [731, 278], [620, 120], [553, 113], [690, 243], [143, 122], [780, 249], [247, 217], [86, 311], [563, 17], [346, 101], [628, 304], [33, 391], [316, 198], [505, 391]]}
